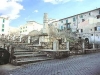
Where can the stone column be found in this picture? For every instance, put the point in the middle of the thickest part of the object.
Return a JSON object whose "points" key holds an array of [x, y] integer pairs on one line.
{"points": [[29, 39], [67, 45], [40, 40], [83, 46], [56, 45], [8, 37], [14, 37], [20, 39], [93, 46]]}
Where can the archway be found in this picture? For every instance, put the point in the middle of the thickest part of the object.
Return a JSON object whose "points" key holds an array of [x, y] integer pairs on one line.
{"points": [[87, 43]]}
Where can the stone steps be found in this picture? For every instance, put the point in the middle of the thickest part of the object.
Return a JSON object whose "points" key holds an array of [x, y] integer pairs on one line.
{"points": [[26, 56], [19, 53], [23, 51], [30, 60], [29, 55]]}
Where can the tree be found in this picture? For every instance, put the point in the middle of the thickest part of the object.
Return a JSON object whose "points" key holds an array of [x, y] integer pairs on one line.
{"points": [[65, 33]]}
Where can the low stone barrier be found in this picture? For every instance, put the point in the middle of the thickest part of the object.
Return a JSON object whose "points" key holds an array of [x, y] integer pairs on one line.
{"points": [[86, 51]]}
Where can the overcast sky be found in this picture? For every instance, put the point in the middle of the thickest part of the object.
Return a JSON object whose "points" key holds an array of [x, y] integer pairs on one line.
{"points": [[21, 11]]}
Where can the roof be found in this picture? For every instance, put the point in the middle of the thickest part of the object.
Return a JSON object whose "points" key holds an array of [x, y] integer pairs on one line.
{"points": [[79, 14], [75, 15]]}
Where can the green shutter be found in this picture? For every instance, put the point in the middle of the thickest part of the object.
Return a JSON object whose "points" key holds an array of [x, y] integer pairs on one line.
{"points": [[99, 11], [3, 20], [61, 21], [2, 25], [66, 21], [81, 16], [61, 27], [73, 18], [2, 30]]}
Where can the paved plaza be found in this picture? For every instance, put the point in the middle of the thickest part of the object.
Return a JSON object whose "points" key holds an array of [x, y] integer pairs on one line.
{"points": [[74, 65]]}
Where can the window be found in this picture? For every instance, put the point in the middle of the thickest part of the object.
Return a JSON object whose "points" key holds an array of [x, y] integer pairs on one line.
{"points": [[89, 13], [61, 27], [73, 18], [77, 30], [3, 20], [95, 28], [2, 30], [2, 25], [91, 34], [20, 31], [66, 21], [61, 21], [68, 26], [81, 16], [99, 11], [81, 30], [83, 20], [98, 16]]}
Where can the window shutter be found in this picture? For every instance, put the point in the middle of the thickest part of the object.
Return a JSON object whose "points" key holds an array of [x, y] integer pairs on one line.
{"points": [[95, 28]]}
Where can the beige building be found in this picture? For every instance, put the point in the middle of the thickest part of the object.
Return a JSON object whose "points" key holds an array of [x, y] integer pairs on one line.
{"points": [[30, 26]]}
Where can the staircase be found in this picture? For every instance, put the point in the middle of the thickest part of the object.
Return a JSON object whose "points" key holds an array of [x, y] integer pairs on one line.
{"points": [[26, 56]]}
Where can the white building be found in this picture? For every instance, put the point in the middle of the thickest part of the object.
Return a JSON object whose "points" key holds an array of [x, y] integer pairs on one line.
{"points": [[73, 21], [4, 26], [87, 24], [30, 26]]}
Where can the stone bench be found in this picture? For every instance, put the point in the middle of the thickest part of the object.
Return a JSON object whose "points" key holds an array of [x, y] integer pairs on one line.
{"points": [[91, 50]]}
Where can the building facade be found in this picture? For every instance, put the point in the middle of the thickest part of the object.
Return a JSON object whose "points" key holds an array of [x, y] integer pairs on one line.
{"points": [[30, 26], [4, 26], [86, 24], [73, 21]]}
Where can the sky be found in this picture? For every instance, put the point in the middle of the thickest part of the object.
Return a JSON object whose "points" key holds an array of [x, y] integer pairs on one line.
{"points": [[21, 11]]}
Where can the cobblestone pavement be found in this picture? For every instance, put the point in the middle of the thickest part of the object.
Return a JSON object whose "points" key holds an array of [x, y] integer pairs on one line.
{"points": [[73, 65]]}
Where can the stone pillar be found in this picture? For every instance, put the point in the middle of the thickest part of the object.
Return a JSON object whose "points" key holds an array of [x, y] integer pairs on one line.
{"points": [[56, 45], [93, 46], [8, 37], [20, 39], [29, 39], [14, 37], [67, 45], [4, 46], [83, 46], [40, 40]]}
